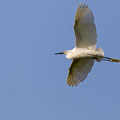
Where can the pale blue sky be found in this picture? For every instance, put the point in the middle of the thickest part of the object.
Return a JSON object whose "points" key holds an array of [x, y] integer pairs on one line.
{"points": [[33, 80]]}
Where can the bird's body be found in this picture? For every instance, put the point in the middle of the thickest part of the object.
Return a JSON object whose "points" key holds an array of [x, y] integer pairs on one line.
{"points": [[85, 52]]}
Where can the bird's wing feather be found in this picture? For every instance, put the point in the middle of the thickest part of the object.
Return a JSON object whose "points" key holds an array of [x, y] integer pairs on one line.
{"points": [[85, 29], [79, 70]]}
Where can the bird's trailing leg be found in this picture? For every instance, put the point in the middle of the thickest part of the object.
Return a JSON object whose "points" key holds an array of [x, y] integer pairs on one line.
{"points": [[110, 59], [106, 59]]}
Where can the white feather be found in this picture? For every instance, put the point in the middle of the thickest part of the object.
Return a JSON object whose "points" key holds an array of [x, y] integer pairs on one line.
{"points": [[79, 70], [85, 29]]}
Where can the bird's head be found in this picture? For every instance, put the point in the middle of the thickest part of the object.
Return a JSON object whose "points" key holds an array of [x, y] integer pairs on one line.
{"points": [[68, 54], [65, 52]]}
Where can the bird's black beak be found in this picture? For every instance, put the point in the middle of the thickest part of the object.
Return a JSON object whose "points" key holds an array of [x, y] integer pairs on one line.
{"points": [[59, 53]]}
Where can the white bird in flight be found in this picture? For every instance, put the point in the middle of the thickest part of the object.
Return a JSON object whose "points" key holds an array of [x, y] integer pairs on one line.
{"points": [[85, 52]]}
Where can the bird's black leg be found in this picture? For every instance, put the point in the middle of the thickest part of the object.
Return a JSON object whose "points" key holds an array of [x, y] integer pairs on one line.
{"points": [[110, 59]]}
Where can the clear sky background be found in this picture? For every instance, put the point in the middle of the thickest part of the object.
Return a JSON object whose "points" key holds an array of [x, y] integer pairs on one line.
{"points": [[33, 80]]}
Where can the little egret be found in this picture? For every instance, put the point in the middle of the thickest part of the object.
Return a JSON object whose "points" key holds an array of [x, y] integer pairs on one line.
{"points": [[85, 52]]}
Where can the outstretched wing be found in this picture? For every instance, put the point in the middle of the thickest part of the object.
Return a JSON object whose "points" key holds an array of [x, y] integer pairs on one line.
{"points": [[85, 29], [79, 70]]}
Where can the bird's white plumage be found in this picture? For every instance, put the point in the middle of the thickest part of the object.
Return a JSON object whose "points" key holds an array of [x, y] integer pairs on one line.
{"points": [[79, 70], [85, 51], [85, 29], [86, 39]]}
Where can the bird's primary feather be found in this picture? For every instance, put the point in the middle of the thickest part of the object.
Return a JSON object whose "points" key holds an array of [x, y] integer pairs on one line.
{"points": [[79, 70], [85, 29]]}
